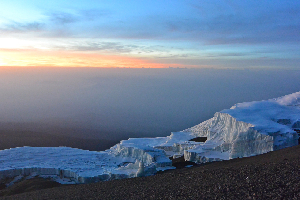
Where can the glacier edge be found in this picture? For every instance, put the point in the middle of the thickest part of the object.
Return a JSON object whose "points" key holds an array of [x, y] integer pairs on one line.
{"points": [[246, 129]]}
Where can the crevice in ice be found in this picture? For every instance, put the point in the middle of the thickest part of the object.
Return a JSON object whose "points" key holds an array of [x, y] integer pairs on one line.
{"points": [[298, 131], [199, 139]]}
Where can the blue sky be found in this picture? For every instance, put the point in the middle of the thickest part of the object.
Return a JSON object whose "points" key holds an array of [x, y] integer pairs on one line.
{"points": [[182, 33]]}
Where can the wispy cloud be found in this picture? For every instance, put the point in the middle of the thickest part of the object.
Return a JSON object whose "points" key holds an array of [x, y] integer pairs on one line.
{"points": [[245, 23], [229, 26], [104, 46], [17, 27], [63, 17], [189, 31]]}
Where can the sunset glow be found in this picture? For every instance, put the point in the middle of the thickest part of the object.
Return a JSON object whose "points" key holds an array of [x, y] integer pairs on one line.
{"points": [[217, 34], [23, 58]]}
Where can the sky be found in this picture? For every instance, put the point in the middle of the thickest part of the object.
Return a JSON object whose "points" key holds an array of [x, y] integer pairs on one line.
{"points": [[150, 33]]}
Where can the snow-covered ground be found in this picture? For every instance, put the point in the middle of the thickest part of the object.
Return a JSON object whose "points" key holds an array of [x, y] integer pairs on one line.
{"points": [[246, 129]]}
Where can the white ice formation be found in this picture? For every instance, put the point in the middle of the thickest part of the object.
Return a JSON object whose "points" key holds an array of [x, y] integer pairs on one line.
{"points": [[246, 129]]}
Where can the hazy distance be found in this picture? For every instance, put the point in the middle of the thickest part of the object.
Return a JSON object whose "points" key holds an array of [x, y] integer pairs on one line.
{"points": [[117, 103]]}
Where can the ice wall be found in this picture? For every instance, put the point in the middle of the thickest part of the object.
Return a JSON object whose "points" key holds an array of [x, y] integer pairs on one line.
{"points": [[227, 138], [248, 129]]}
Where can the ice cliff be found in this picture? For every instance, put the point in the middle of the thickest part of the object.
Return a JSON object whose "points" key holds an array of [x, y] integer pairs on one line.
{"points": [[246, 129]]}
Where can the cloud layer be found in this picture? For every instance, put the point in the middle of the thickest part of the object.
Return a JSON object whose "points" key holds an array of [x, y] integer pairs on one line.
{"points": [[131, 102], [159, 31]]}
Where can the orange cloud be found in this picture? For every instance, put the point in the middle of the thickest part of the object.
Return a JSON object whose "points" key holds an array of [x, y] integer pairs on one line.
{"points": [[23, 57]]}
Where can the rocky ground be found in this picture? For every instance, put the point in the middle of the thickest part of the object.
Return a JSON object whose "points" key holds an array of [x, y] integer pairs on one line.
{"points": [[275, 175]]}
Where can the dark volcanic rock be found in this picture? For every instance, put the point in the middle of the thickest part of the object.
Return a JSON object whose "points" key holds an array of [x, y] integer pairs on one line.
{"points": [[180, 163], [28, 186]]}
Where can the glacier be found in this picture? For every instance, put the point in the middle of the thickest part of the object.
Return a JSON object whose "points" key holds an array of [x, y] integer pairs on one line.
{"points": [[246, 129]]}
